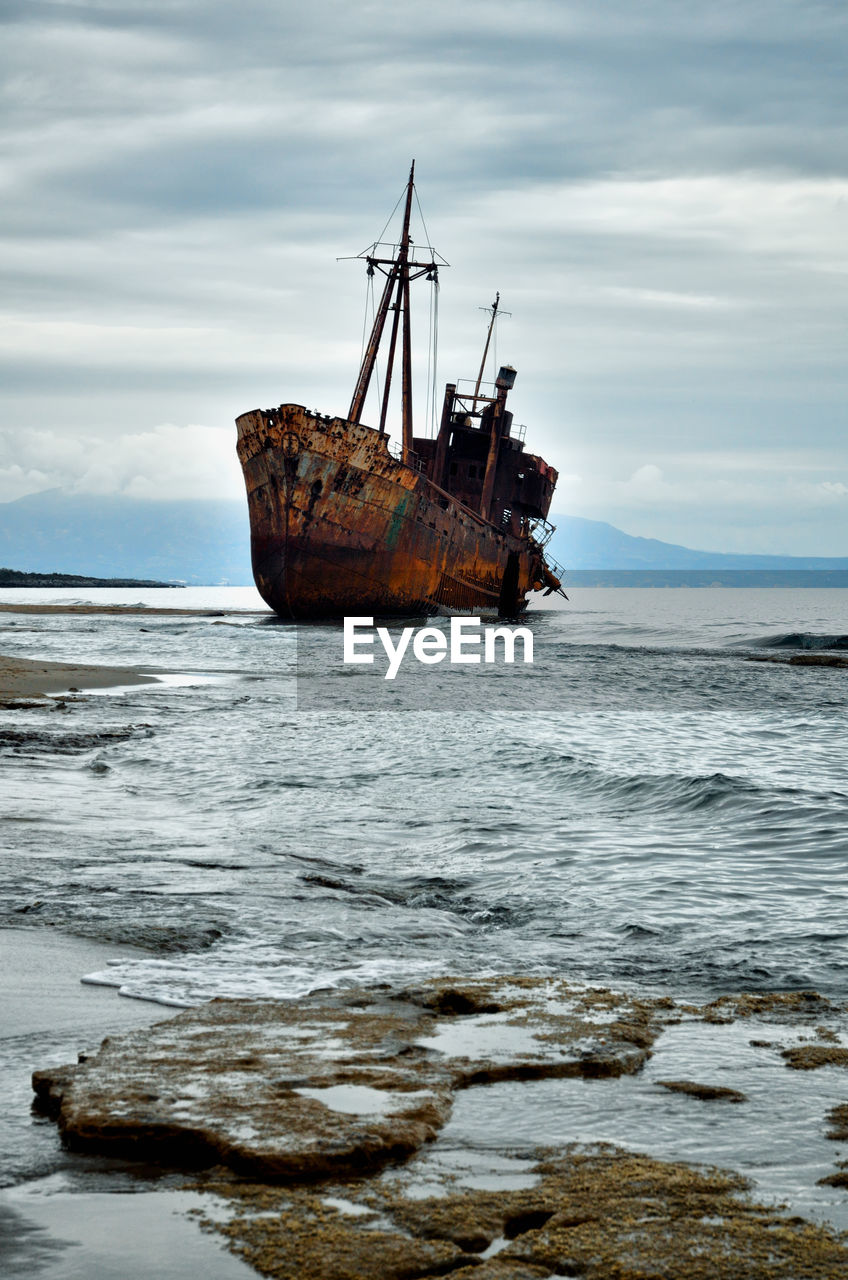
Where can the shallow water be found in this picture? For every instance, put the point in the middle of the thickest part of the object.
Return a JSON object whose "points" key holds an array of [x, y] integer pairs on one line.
{"points": [[645, 807], [776, 1137], [98, 1236]]}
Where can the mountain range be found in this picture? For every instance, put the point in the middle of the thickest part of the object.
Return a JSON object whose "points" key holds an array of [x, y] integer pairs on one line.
{"points": [[110, 536], [592, 544], [208, 542]]}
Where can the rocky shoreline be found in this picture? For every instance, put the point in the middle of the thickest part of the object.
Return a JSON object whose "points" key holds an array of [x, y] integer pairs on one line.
{"points": [[803, 659], [318, 1122]]}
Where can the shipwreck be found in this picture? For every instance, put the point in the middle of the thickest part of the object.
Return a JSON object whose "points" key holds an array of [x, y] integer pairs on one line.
{"points": [[344, 522]]}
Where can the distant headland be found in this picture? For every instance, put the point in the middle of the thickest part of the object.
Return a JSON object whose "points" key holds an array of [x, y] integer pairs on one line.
{"points": [[14, 578]]}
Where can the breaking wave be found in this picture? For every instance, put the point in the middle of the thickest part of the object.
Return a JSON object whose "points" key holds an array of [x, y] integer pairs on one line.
{"points": [[802, 640]]}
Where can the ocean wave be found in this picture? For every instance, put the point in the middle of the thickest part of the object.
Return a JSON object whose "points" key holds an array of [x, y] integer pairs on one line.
{"points": [[661, 810], [685, 793], [801, 640], [681, 792], [458, 897]]}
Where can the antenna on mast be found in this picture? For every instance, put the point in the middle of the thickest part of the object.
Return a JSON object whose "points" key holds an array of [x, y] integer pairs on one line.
{"points": [[494, 312]]}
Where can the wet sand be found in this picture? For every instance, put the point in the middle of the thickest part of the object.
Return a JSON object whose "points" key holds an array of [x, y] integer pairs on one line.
{"points": [[42, 988], [25, 678], [66, 1225]]}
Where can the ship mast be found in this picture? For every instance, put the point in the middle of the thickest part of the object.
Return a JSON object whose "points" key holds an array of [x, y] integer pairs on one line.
{"points": [[403, 296], [399, 271]]}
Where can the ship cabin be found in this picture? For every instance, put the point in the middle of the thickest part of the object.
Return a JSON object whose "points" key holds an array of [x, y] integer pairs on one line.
{"points": [[479, 458]]}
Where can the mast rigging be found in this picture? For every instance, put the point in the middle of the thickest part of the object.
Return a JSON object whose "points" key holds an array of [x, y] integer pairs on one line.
{"points": [[399, 271]]}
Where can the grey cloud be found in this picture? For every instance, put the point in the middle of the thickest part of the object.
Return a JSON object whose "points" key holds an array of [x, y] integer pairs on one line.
{"points": [[658, 189]]}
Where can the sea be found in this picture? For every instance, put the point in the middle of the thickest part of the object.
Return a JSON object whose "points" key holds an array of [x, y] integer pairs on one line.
{"points": [[658, 803]]}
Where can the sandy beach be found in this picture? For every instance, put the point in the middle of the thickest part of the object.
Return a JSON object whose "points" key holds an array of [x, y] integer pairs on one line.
{"points": [[42, 991], [25, 678]]}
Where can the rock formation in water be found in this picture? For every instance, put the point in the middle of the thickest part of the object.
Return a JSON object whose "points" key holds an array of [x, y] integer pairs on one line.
{"points": [[317, 1122]]}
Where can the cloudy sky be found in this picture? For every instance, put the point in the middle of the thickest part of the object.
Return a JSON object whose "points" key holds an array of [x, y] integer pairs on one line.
{"points": [[658, 188]]}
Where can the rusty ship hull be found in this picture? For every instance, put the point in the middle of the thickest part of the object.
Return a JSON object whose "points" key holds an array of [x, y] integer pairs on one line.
{"points": [[340, 527]]}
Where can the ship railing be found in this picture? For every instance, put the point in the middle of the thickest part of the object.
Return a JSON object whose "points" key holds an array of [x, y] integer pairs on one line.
{"points": [[555, 567], [518, 432], [413, 460], [389, 249], [540, 530], [468, 392]]}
